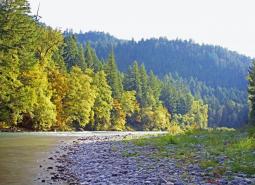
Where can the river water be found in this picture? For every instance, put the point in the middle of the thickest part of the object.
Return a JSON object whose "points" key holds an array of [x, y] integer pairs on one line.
{"points": [[22, 153]]}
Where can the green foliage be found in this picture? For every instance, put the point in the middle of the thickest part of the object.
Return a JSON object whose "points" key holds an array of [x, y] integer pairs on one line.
{"points": [[73, 53], [91, 59], [132, 81], [156, 118], [198, 114], [251, 132], [251, 91], [144, 86], [103, 103], [14, 28], [220, 149], [58, 82], [50, 82], [17, 28], [113, 76], [154, 91], [212, 73], [41, 112], [175, 96], [123, 108], [26, 48], [129, 103], [80, 98]]}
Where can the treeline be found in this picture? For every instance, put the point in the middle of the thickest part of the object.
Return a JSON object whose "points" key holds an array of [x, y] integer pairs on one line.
{"points": [[51, 82], [226, 106], [212, 73], [251, 99]]}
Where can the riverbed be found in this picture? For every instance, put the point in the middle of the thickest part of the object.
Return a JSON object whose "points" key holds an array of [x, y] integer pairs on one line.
{"points": [[24, 156]]}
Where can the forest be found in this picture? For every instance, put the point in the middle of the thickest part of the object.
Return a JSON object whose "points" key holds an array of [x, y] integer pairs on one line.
{"points": [[49, 81], [92, 81], [192, 104], [214, 74]]}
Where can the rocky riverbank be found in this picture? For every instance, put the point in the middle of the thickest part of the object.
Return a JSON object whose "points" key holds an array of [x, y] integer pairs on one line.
{"points": [[114, 160]]}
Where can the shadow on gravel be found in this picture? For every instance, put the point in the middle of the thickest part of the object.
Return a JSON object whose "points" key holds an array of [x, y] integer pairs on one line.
{"points": [[114, 160], [110, 160]]}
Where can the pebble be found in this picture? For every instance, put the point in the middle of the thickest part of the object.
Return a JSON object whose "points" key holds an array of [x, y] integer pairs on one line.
{"points": [[106, 160]]}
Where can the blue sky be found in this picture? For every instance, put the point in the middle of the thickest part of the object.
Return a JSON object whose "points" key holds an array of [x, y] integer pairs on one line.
{"points": [[229, 23]]}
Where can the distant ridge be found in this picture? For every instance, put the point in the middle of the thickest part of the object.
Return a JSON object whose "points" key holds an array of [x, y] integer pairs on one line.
{"points": [[214, 65], [213, 73]]}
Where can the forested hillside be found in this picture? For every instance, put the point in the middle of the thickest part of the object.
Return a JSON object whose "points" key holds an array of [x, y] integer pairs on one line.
{"points": [[51, 82], [213, 73]]}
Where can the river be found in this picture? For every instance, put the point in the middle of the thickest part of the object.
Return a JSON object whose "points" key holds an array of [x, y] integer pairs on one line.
{"points": [[22, 153]]}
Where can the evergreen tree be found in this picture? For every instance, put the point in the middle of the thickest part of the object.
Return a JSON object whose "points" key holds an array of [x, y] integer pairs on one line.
{"points": [[251, 91], [133, 81], [37, 91], [91, 59], [113, 76], [209, 67], [155, 86], [176, 97], [81, 57], [80, 98], [144, 86], [89, 56], [122, 108], [101, 111], [24, 57], [16, 34], [34, 76], [73, 53], [17, 28]]}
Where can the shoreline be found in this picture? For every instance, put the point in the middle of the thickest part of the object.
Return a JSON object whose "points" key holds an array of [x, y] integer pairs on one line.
{"points": [[114, 160], [48, 165], [51, 166]]}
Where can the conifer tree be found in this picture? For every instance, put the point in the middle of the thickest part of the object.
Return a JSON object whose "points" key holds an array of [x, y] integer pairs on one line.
{"points": [[144, 86], [122, 108], [35, 77], [80, 98], [73, 53], [154, 89], [113, 76], [251, 91], [37, 91], [81, 57], [89, 56], [17, 40], [133, 81], [17, 28], [103, 103], [91, 59]]}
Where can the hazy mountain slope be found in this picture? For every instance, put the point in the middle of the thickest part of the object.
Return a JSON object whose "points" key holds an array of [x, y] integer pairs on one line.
{"points": [[215, 67]]}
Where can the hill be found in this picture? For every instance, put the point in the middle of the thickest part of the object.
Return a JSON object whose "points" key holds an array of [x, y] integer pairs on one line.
{"points": [[213, 73]]}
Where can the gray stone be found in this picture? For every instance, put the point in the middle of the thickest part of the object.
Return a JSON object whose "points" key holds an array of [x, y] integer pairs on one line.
{"points": [[100, 160]]}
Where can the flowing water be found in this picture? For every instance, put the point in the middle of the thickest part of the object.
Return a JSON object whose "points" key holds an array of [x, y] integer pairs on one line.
{"points": [[22, 153]]}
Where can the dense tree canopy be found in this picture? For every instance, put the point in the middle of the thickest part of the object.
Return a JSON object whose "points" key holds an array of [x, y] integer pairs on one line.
{"points": [[212, 73], [251, 91], [49, 81]]}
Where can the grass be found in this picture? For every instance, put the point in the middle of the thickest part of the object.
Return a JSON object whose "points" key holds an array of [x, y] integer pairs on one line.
{"points": [[220, 149], [129, 154]]}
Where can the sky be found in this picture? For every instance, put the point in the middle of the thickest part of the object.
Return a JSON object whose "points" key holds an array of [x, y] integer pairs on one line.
{"points": [[228, 23]]}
